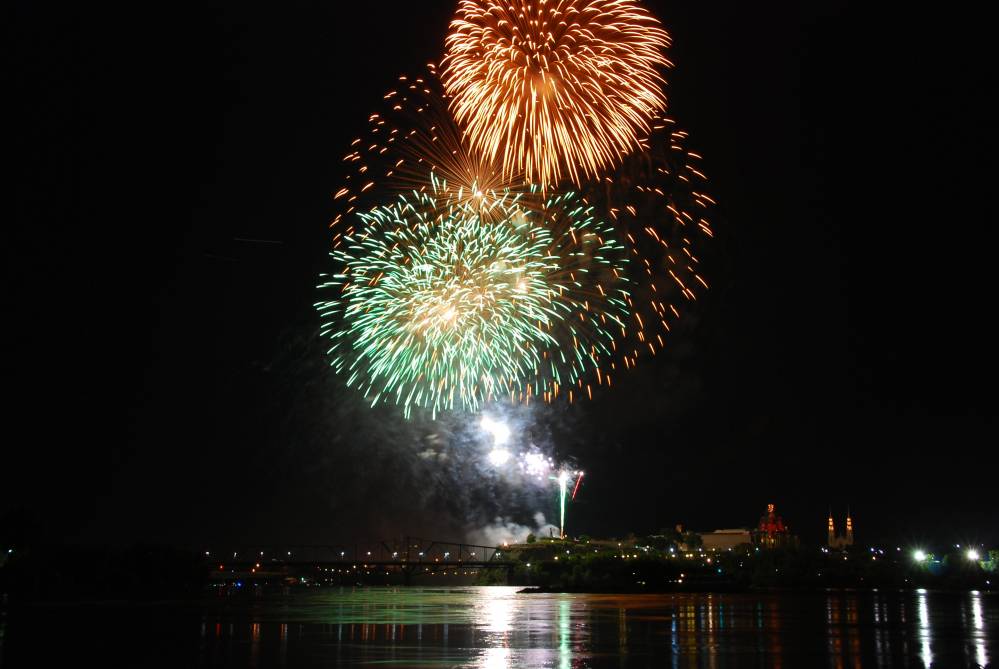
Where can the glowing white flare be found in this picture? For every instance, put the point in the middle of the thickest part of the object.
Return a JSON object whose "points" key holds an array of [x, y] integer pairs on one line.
{"points": [[498, 429], [498, 456]]}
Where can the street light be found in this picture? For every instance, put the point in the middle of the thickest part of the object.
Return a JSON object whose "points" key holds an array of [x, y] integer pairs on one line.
{"points": [[972, 555], [919, 555]]}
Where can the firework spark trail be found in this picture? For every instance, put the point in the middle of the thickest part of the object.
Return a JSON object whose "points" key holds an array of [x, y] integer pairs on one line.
{"points": [[657, 200], [529, 92], [410, 138], [558, 88], [439, 309], [563, 479]]}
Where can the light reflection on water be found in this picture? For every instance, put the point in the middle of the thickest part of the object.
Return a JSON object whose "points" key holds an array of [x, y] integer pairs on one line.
{"points": [[496, 628], [925, 631], [978, 636]]}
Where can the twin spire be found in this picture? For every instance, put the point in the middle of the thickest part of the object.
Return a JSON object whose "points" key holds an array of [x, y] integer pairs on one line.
{"points": [[840, 541]]}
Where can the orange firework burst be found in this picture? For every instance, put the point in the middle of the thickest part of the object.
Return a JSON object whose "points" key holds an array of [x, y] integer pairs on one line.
{"points": [[658, 203], [412, 141], [556, 88]]}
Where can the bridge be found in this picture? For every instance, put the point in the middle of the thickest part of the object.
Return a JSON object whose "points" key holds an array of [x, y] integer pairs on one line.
{"points": [[406, 555]]}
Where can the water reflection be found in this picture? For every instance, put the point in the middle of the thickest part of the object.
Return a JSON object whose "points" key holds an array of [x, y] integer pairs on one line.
{"points": [[674, 641], [709, 620], [833, 643], [564, 656], [495, 658], [882, 640], [283, 643], [978, 629], [497, 609], [925, 653], [255, 645], [496, 628]]}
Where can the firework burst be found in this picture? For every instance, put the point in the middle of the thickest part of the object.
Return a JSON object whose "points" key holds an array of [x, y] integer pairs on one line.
{"points": [[557, 88], [410, 142], [658, 203], [442, 305]]}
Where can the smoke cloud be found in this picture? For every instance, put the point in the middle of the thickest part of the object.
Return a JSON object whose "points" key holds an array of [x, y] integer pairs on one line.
{"points": [[504, 530]]}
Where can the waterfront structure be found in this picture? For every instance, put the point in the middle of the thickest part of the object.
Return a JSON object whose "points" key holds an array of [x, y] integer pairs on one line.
{"points": [[843, 541], [773, 532], [721, 540]]}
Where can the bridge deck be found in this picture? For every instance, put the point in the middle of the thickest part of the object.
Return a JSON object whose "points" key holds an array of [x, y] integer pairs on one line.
{"points": [[372, 563]]}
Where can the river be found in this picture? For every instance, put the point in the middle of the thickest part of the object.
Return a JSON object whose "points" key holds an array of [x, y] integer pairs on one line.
{"points": [[495, 627]]}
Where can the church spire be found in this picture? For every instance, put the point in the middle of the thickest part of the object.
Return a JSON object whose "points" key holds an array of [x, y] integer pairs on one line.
{"points": [[832, 529]]}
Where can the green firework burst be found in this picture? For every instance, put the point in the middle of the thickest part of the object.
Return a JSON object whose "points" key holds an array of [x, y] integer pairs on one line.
{"points": [[443, 302]]}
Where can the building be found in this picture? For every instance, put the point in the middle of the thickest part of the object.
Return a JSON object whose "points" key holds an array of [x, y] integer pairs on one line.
{"points": [[773, 532], [721, 540], [840, 542]]}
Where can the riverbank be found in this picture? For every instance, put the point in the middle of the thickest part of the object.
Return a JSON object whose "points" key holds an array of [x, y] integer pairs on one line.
{"points": [[580, 566]]}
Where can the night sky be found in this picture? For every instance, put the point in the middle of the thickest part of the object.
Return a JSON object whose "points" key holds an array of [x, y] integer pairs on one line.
{"points": [[162, 377]]}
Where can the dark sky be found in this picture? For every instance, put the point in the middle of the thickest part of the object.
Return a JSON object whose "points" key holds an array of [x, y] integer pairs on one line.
{"points": [[163, 381]]}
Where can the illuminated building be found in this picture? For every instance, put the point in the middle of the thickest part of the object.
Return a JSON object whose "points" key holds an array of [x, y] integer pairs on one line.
{"points": [[721, 540], [772, 532], [840, 541]]}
